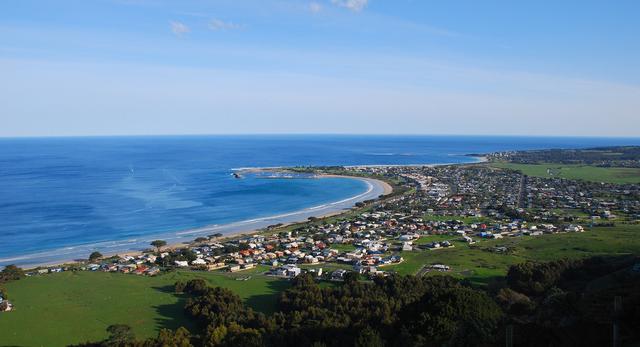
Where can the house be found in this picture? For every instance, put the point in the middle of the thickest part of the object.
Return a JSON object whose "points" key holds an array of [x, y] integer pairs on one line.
{"points": [[310, 259], [141, 270], [7, 308], [248, 266], [293, 271], [405, 237], [5, 305], [199, 261], [216, 266], [289, 271], [468, 240], [181, 263], [338, 275], [574, 228]]}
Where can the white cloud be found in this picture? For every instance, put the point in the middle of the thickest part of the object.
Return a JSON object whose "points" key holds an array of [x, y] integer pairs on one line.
{"points": [[179, 28], [315, 7], [217, 24], [353, 5]]}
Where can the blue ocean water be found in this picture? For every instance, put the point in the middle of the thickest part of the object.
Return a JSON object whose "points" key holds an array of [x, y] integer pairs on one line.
{"points": [[59, 193]]}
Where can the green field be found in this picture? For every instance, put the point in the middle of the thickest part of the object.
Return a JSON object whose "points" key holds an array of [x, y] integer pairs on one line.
{"points": [[343, 247], [576, 172], [58, 309], [480, 266]]}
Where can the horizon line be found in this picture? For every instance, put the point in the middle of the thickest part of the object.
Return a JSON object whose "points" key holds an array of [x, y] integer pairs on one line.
{"points": [[315, 134]]}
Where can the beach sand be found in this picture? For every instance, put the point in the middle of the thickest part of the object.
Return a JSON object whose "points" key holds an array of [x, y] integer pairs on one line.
{"points": [[243, 228], [387, 189]]}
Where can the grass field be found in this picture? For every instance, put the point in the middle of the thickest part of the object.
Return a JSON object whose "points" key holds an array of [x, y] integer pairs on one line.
{"points": [[58, 309], [577, 172], [343, 247], [481, 266]]}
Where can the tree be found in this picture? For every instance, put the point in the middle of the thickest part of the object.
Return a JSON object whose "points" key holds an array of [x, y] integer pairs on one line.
{"points": [[119, 334], [179, 338], [237, 335], [215, 236], [369, 338], [216, 335], [158, 244], [11, 273], [453, 317], [195, 286], [179, 287], [95, 256], [201, 239], [186, 254], [351, 277]]}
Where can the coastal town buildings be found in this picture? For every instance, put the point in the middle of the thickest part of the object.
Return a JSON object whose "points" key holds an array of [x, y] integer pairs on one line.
{"points": [[441, 207]]}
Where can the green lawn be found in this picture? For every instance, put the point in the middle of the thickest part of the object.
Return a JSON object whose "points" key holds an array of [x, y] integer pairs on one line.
{"points": [[577, 172], [481, 266], [58, 309], [342, 247]]}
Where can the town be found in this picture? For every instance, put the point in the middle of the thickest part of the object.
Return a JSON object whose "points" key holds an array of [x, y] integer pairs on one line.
{"points": [[432, 208], [512, 233]]}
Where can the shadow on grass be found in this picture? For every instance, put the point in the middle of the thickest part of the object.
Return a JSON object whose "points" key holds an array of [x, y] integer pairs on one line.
{"points": [[484, 281], [172, 316], [168, 289], [267, 303]]}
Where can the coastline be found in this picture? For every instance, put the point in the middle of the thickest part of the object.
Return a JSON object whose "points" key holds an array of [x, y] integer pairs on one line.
{"points": [[182, 238], [479, 160]]}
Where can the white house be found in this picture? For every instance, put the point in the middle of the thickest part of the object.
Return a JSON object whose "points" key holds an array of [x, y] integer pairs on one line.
{"points": [[199, 261]]}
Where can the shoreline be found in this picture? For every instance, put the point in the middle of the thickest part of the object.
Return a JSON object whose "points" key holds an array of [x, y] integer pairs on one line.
{"points": [[234, 229], [479, 160], [71, 254]]}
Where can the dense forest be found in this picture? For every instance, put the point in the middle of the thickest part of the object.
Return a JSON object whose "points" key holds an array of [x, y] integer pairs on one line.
{"points": [[560, 303]]}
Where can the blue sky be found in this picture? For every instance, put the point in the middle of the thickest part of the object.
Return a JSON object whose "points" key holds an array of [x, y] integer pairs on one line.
{"points": [[115, 67]]}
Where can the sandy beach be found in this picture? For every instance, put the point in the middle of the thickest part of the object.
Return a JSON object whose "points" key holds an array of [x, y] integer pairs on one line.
{"points": [[181, 239]]}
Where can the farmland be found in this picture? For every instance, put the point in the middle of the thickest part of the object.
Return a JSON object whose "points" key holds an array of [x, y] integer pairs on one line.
{"points": [[73, 307]]}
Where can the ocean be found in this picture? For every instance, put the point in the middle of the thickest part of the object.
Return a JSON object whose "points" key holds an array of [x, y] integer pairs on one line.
{"points": [[61, 198]]}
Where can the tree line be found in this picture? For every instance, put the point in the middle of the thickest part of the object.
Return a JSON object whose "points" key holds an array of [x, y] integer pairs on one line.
{"points": [[544, 304]]}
